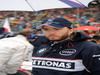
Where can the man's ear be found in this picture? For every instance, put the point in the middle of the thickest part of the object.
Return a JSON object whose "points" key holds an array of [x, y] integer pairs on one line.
{"points": [[71, 31]]}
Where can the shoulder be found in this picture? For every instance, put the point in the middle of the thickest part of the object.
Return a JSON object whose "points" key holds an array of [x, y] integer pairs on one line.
{"points": [[88, 44], [90, 48]]}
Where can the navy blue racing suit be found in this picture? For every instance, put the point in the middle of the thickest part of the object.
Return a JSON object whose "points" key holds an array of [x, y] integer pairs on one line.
{"points": [[69, 57]]}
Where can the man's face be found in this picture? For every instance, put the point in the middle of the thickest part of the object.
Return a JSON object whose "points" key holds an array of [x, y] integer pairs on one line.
{"points": [[56, 34]]}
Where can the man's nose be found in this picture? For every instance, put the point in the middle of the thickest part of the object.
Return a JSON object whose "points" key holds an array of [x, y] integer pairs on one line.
{"points": [[51, 32]]}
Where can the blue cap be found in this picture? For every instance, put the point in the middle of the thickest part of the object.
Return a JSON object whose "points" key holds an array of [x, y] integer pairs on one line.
{"points": [[58, 23]]}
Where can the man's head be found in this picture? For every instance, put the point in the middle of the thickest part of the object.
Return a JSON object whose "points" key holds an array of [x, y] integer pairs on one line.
{"points": [[29, 33], [57, 29]]}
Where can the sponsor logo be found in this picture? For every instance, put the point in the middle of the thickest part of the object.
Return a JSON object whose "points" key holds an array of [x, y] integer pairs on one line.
{"points": [[96, 55], [68, 65], [42, 50], [57, 64], [67, 52]]}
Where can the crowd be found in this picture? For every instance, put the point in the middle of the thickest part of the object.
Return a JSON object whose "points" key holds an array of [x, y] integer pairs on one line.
{"points": [[80, 17]]}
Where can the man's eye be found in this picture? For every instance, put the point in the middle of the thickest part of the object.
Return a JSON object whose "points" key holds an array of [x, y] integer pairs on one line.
{"points": [[57, 29], [45, 29]]}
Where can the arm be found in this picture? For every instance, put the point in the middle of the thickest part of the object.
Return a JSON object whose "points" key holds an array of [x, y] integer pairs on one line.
{"points": [[91, 59]]}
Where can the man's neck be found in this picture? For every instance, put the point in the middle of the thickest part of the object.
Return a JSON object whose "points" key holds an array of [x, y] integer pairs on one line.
{"points": [[68, 38]]}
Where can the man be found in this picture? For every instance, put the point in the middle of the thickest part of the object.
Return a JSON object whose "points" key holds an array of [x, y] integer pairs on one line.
{"points": [[68, 53], [14, 50]]}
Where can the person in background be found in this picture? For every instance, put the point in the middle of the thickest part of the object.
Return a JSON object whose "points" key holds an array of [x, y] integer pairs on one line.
{"points": [[67, 53], [4, 34], [14, 50], [39, 39], [86, 32], [96, 38]]}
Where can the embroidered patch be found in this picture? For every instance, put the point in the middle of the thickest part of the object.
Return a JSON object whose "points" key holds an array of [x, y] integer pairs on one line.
{"points": [[42, 50], [67, 52]]}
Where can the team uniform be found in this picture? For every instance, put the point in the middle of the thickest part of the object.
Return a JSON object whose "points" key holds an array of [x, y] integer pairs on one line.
{"points": [[69, 57]]}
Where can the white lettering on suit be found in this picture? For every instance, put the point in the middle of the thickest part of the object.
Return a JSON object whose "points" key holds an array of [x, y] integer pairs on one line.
{"points": [[58, 64]]}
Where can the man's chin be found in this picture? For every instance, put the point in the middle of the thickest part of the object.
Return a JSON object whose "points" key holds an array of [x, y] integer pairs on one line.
{"points": [[55, 39]]}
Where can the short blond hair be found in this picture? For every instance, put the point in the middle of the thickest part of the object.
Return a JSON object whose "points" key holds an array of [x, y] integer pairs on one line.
{"points": [[27, 32]]}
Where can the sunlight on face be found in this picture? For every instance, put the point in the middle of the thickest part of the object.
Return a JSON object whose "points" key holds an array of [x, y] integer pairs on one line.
{"points": [[56, 34]]}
